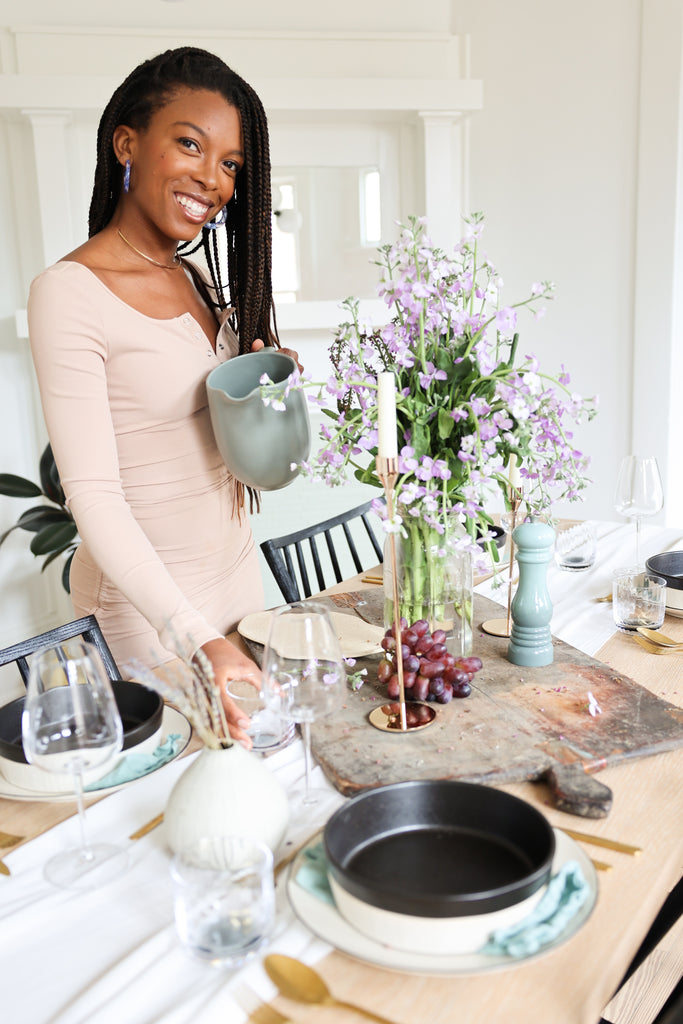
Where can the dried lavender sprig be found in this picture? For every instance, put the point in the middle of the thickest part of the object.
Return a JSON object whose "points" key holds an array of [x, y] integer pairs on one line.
{"points": [[182, 687]]}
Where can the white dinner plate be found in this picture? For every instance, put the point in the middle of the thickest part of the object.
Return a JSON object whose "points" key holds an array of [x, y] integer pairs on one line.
{"points": [[325, 921], [172, 721], [357, 638]]}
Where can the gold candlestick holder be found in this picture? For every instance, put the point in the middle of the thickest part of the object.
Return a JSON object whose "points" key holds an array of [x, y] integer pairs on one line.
{"points": [[387, 471], [503, 627]]}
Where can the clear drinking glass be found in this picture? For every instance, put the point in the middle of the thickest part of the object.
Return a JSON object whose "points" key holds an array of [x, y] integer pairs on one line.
{"points": [[71, 723], [267, 730], [223, 898], [575, 546], [639, 491], [638, 599], [303, 672]]}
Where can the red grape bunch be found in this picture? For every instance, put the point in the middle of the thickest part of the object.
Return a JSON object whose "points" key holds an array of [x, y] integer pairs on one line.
{"points": [[429, 671]]}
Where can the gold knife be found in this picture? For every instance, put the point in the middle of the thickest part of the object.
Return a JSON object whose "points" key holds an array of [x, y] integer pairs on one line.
{"points": [[610, 844], [7, 840], [4, 870], [148, 827]]}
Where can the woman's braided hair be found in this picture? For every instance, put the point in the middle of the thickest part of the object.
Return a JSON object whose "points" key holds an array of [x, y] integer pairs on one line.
{"points": [[248, 226]]}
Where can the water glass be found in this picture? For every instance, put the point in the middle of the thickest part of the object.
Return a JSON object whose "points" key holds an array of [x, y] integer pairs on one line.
{"points": [[638, 599], [575, 546], [268, 731], [223, 898]]}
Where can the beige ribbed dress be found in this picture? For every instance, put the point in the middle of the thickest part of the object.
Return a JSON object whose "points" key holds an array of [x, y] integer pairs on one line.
{"points": [[165, 564]]}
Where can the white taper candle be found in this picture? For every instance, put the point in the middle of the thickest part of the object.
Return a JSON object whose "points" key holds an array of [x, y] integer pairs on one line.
{"points": [[387, 446], [514, 474]]}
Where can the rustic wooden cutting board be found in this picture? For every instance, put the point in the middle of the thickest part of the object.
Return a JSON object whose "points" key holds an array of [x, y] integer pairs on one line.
{"points": [[517, 724]]}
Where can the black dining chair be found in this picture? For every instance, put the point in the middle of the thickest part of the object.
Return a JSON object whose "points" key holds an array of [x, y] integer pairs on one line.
{"points": [[293, 578], [87, 627]]}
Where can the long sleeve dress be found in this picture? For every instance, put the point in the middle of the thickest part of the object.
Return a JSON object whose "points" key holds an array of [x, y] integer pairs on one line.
{"points": [[165, 562]]}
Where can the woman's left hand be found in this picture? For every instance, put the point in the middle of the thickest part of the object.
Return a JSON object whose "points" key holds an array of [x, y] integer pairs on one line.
{"points": [[257, 345], [228, 662]]}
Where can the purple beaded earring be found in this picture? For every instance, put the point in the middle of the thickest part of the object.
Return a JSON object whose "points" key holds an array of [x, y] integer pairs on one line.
{"points": [[218, 220], [126, 177]]}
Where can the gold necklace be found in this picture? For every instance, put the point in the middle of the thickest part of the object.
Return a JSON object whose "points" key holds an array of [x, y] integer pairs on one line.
{"points": [[177, 262]]}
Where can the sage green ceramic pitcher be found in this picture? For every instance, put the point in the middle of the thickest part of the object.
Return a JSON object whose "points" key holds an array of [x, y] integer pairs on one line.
{"points": [[259, 444]]}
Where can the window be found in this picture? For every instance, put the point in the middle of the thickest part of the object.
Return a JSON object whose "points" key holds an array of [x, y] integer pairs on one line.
{"points": [[370, 208], [286, 222]]}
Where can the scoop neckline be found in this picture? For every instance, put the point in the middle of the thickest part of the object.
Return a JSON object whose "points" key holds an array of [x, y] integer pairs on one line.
{"points": [[145, 316]]}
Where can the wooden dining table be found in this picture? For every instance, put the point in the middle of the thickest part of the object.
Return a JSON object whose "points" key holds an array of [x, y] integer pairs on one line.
{"points": [[570, 984]]}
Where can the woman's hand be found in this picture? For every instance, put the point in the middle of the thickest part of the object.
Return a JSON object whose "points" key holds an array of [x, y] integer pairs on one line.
{"points": [[257, 345], [228, 662]]}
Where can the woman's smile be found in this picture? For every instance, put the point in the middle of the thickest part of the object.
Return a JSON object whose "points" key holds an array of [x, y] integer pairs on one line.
{"points": [[195, 209]]}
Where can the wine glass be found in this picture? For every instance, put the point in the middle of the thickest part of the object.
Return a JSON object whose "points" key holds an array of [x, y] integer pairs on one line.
{"points": [[639, 491], [303, 672], [71, 723]]}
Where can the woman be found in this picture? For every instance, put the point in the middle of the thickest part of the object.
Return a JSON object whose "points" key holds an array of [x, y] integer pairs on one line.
{"points": [[124, 332]]}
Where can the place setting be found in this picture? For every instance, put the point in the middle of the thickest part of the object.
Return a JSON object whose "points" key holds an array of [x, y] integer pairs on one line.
{"points": [[153, 734]]}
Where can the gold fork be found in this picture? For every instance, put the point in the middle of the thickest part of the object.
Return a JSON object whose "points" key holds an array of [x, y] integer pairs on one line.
{"points": [[265, 1014], [259, 1012]]}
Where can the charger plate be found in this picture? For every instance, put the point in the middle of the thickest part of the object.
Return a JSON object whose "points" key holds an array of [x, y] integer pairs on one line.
{"points": [[325, 921], [173, 721], [357, 638]]}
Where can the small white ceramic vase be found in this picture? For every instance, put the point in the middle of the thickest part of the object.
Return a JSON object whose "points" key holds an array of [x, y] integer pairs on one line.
{"points": [[227, 792]]}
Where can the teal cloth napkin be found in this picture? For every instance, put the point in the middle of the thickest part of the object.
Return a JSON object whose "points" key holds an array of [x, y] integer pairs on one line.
{"points": [[312, 873], [135, 765], [566, 893]]}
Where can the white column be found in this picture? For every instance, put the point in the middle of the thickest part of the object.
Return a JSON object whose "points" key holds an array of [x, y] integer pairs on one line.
{"points": [[445, 174], [52, 173]]}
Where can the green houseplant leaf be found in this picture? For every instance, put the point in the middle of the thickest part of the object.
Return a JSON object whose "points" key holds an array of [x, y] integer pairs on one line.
{"points": [[52, 524], [18, 487]]}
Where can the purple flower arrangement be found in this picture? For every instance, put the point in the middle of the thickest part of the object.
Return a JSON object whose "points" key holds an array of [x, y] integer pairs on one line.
{"points": [[468, 409], [464, 403]]}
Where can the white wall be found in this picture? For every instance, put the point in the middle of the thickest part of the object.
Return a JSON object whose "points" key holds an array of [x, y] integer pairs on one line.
{"points": [[575, 159], [553, 165]]}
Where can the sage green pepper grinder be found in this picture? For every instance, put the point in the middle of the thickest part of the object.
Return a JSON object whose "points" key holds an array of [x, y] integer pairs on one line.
{"points": [[531, 642]]}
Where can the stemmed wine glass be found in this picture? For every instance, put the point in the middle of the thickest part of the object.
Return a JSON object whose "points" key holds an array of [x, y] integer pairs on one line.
{"points": [[71, 723], [303, 672], [639, 491]]}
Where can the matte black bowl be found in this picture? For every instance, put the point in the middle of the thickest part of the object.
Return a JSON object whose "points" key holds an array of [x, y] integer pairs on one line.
{"points": [[141, 710], [440, 849], [669, 565], [498, 537]]}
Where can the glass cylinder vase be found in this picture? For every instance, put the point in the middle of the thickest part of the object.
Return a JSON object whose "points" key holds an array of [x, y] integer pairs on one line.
{"points": [[434, 580]]}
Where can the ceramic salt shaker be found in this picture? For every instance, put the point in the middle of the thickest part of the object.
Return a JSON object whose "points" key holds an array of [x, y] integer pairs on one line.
{"points": [[531, 610]]}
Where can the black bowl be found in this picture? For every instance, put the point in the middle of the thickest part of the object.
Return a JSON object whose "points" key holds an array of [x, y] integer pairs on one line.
{"points": [[141, 710], [668, 565], [441, 849], [498, 537]]}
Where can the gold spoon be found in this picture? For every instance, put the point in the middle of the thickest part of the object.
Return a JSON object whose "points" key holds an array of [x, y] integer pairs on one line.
{"points": [[299, 982], [655, 637], [655, 648]]}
